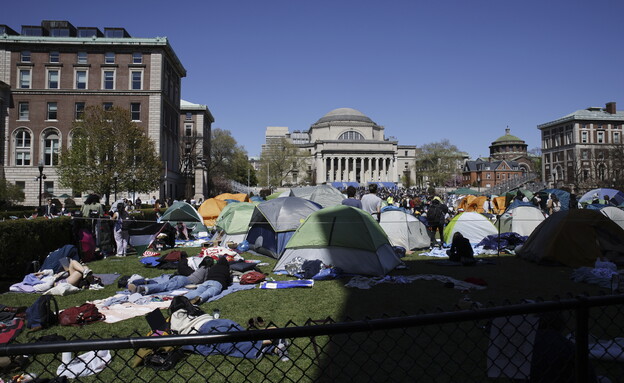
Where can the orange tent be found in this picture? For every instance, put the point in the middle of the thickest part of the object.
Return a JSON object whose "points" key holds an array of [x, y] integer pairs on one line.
{"points": [[241, 197], [210, 210], [499, 204], [472, 203]]}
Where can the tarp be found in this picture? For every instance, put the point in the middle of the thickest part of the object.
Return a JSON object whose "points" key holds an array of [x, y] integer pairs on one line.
{"points": [[617, 195], [473, 226], [273, 222], [242, 197], [404, 229], [344, 237], [576, 237], [210, 209], [522, 219]]}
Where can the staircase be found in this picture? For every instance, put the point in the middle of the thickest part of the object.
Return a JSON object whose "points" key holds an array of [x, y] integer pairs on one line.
{"points": [[525, 182]]}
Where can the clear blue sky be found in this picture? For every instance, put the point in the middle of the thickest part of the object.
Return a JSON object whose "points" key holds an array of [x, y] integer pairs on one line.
{"points": [[426, 70]]}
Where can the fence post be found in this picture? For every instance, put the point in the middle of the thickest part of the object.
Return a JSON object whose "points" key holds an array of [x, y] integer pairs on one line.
{"points": [[582, 339]]}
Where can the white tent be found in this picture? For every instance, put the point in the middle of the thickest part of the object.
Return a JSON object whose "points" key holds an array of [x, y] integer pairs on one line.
{"points": [[615, 214], [404, 230], [474, 226], [521, 219]]}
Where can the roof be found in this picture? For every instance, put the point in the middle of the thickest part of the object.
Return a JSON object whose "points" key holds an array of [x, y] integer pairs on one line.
{"points": [[591, 113], [344, 114]]}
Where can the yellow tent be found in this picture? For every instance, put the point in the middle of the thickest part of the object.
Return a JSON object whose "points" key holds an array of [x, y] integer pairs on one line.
{"points": [[241, 197], [210, 210], [499, 204], [472, 203]]}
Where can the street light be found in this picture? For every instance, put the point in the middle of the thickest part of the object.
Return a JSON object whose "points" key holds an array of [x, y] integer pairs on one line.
{"points": [[133, 188], [115, 177], [479, 184], [40, 178]]}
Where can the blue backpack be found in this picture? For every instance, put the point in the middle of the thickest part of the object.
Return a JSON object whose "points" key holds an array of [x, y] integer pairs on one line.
{"points": [[40, 314]]}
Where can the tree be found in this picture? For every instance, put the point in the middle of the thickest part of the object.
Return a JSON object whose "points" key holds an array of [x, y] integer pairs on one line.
{"points": [[281, 160], [438, 162], [228, 161], [109, 151], [242, 169], [9, 193]]}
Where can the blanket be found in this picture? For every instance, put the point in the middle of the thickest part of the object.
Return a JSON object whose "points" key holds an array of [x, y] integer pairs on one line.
{"points": [[447, 262], [600, 277], [442, 252], [362, 282]]}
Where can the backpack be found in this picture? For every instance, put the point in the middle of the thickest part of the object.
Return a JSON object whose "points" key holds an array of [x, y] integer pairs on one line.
{"points": [[40, 314], [252, 277], [435, 216], [80, 315]]}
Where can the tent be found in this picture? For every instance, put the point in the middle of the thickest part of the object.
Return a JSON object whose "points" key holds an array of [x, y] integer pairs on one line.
{"points": [[521, 219], [274, 195], [615, 214], [500, 204], [404, 229], [324, 195], [472, 203], [274, 222], [465, 191], [473, 226], [241, 197], [614, 194], [575, 238], [181, 211], [562, 195], [234, 221], [143, 234], [344, 237], [210, 209]]}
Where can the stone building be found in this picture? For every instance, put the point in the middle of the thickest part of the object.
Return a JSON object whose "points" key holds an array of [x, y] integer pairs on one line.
{"points": [[195, 132]]}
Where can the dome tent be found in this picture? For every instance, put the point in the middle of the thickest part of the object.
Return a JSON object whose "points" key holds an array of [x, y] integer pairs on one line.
{"points": [[473, 226], [615, 214], [344, 237], [404, 229], [575, 238], [234, 221], [241, 197], [210, 210], [615, 195], [181, 211], [324, 195], [273, 222], [521, 219]]}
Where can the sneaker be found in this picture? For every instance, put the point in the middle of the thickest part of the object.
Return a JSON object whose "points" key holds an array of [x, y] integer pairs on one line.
{"points": [[132, 288], [141, 290], [281, 350], [195, 301]]}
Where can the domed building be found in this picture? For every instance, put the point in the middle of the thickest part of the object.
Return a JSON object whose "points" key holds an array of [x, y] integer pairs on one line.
{"points": [[511, 148]]}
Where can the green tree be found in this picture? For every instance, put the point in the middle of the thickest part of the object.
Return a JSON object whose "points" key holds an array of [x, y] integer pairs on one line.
{"points": [[280, 160], [438, 162], [242, 169], [105, 144], [9, 194], [228, 161]]}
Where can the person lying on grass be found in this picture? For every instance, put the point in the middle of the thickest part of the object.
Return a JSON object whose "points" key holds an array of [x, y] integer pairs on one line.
{"points": [[74, 273], [187, 318], [199, 276]]}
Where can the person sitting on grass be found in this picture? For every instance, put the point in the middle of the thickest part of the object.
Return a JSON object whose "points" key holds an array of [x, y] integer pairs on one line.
{"points": [[461, 250], [189, 319], [177, 281], [217, 280]]}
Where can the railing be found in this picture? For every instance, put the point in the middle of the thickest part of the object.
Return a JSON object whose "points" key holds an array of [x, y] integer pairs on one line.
{"points": [[506, 343]]}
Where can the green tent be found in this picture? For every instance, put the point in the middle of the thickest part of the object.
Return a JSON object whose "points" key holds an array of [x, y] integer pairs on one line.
{"points": [[273, 196], [181, 211], [345, 237], [465, 191], [234, 221]]}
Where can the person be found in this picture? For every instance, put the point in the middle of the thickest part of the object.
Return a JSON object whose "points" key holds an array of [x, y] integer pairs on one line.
{"points": [[487, 206], [461, 250], [351, 200], [49, 210], [217, 280], [177, 281], [73, 273], [554, 205], [120, 230], [436, 215], [138, 202], [521, 197], [157, 207], [152, 200], [189, 319], [607, 200], [573, 202], [182, 231], [371, 203]]}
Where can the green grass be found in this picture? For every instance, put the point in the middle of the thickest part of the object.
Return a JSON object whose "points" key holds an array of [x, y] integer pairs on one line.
{"points": [[510, 279]]}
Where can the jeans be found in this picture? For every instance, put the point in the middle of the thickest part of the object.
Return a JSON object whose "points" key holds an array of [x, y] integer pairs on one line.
{"points": [[205, 291], [121, 237], [174, 283]]}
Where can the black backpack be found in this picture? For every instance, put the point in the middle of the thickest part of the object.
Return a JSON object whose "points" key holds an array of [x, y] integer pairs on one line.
{"points": [[435, 215], [40, 314]]}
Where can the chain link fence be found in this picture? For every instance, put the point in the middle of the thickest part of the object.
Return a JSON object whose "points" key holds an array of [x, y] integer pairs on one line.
{"points": [[566, 340]]}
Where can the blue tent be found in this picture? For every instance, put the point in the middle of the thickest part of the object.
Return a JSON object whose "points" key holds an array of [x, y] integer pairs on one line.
{"points": [[389, 185]]}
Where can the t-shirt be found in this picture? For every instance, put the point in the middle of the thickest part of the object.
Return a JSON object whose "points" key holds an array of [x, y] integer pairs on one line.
{"points": [[371, 203], [352, 202]]}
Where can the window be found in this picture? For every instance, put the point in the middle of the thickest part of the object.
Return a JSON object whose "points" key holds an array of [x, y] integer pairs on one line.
{"points": [[31, 30], [109, 58], [135, 111], [24, 78], [108, 79], [488, 176], [187, 148], [188, 129], [351, 135], [107, 106], [137, 58], [600, 137], [48, 187], [25, 56], [583, 137], [616, 137], [568, 138], [136, 80], [55, 57], [50, 147], [23, 110], [52, 111], [189, 116], [22, 148], [406, 153], [59, 32], [81, 58], [79, 110], [53, 79], [81, 79], [21, 185], [585, 154]]}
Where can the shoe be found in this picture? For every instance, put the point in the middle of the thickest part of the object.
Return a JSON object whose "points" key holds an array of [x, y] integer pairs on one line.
{"points": [[120, 255], [259, 322], [142, 290], [86, 272], [132, 288], [195, 301], [282, 350]]}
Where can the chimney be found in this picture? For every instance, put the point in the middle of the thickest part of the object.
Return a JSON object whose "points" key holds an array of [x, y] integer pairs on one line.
{"points": [[611, 107]]}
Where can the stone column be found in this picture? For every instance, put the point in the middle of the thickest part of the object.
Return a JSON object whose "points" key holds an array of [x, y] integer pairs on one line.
{"points": [[339, 177], [361, 169], [332, 176], [395, 173], [320, 169], [383, 169]]}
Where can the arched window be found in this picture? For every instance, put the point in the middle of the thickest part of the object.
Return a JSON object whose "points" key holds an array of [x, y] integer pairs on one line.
{"points": [[22, 147], [351, 135], [51, 144]]}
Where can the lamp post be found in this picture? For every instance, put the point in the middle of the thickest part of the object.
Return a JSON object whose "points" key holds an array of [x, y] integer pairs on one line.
{"points": [[133, 188], [40, 178], [479, 184], [115, 177]]}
